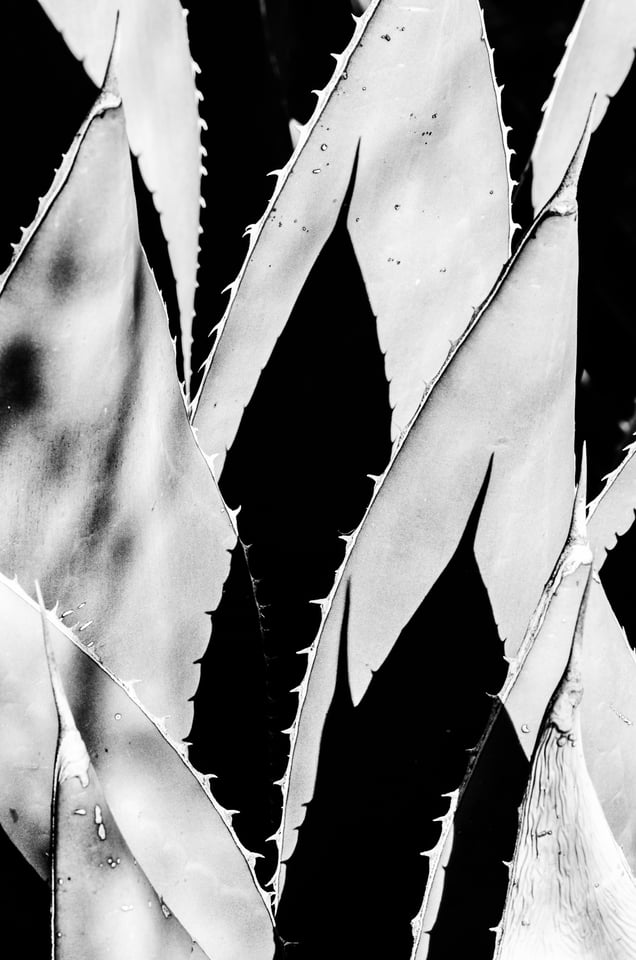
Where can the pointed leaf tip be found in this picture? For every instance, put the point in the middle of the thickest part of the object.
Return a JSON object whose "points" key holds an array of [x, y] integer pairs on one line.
{"points": [[564, 201]]}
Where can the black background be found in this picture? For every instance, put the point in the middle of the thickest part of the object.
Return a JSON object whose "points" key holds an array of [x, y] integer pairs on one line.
{"points": [[318, 424]]}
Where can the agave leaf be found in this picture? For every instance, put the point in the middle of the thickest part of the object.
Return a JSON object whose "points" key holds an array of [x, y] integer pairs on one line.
{"points": [[611, 514], [157, 78], [598, 56], [607, 711], [181, 839], [114, 507], [571, 892], [429, 221], [103, 904], [532, 677], [525, 333]]}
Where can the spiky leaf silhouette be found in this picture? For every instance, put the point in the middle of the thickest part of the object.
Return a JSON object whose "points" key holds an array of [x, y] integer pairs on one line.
{"points": [[102, 903], [571, 892], [525, 333], [531, 679], [114, 507], [157, 78], [598, 57], [429, 221], [181, 839]]}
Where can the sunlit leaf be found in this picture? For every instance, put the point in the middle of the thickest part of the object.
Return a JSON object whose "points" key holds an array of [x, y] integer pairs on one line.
{"points": [[504, 400], [113, 506], [428, 219], [157, 78], [598, 57], [103, 905], [611, 514], [532, 676], [571, 892], [181, 839]]}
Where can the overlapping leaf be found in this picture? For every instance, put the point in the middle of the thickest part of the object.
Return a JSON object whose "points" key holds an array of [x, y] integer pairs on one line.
{"points": [[113, 506], [599, 55], [532, 677], [160, 98], [102, 903], [429, 220], [571, 892], [505, 396], [180, 838]]}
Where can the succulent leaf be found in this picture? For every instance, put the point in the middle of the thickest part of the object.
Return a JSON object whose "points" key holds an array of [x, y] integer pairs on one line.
{"points": [[114, 507], [611, 513], [598, 57], [179, 836], [158, 88], [571, 892], [525, 333], [429, 222], [102, 903], [532, 677]]}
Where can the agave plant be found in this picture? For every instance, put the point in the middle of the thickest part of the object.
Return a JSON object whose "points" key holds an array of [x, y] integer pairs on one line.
{"points": [[390, 414]]}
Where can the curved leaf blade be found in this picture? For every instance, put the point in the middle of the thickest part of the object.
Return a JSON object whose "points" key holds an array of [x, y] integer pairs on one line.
{"points": [[157, 78], [598, 56], [115, 509], [429, 222], [180, 836], [571, 893], [524, 334]]}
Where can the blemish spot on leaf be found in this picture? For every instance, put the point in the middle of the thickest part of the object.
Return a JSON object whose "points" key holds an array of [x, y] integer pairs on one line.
{"points": [[20, 387], [63, 272], [14, 814]]}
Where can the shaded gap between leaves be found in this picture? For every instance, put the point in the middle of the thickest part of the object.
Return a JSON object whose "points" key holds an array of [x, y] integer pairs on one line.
{"points": [[384, 767], [231, 729], [156, 250], [317, 424]]}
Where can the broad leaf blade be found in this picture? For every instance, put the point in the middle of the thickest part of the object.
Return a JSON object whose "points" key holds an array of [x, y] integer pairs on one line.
{"points": [[180, 837], [429, 222], [160, 98], [524, 334], [571, 892], [102, 903], [114, 507], [611, 514], [598, 57]]}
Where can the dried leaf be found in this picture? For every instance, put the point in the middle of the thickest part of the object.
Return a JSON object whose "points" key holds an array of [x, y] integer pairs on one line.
{"points": [[571, 893], [429, 221], [181, 839], [598, 57], [103, 904], [114, 507], [157, 78], [525, 334]]}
